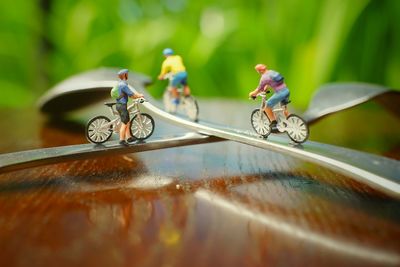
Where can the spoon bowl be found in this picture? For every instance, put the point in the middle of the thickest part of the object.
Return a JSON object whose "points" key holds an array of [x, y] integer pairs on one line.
{"points": [[335, 97], [84, 89]]}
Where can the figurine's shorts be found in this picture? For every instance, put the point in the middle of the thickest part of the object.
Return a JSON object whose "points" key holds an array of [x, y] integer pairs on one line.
{"points": [[123, 112], [278, 97], [179, 78]]}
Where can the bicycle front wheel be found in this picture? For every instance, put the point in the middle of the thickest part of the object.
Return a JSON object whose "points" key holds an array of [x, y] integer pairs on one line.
{"points": [[297, 129], [260, 122], [99, 129], [167, 100], [142, 126], [191, 107]]}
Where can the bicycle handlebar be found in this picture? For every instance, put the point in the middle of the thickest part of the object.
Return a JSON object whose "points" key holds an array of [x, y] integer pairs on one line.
{"points": [[167, 76], [137, 101], [262, 94]]}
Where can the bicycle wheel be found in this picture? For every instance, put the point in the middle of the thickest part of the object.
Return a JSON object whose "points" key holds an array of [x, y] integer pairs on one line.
{"points": [[297, 129], [167, 100], [191, 107], [99, 129], [142, 126], [260, 123]]}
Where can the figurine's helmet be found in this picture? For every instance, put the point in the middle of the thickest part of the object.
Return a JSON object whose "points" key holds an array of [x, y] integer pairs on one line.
{"points": [[260, 67], [168, 52], [123, 71]]}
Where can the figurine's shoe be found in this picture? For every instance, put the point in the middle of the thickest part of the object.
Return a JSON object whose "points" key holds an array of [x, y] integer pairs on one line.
{"points": [[175, 101], [273, 126], [123, 143], [131, 140], [174, 105]]}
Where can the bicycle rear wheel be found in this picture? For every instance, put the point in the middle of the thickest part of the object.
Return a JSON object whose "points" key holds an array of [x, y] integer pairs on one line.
{"points": [[142, 126], [260, 123], [297, 129], [191, 107], [99, 130]]}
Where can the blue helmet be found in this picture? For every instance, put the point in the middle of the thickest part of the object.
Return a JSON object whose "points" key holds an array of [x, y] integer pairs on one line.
{"points": [[168, 52], [123, 71]]}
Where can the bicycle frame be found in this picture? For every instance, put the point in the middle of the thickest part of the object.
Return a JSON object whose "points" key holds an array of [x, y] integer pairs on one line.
{"points": [[133, 110], [169, 77], [278, 109]]}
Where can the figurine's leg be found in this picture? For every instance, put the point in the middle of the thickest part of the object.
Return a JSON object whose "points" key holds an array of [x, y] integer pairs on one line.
{"points": [[186, 90], [174, 91], [127, 130], [128, 135], [272, 101], [174, 95], [285, 111], [270, 113], [122, 132]]}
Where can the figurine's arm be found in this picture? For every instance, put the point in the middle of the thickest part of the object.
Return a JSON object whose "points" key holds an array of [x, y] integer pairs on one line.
{"points": [[165, 68], [130, 94], [136, 96], [266, 88], [263, 85]]}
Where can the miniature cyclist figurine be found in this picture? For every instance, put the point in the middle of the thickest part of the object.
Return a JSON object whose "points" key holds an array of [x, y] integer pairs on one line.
{"points": [[272, 79], [124, 92], [173, 64]]}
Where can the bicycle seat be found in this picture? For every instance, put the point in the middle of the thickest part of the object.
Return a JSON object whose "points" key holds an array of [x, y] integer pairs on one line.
{"points": [[285, 101], [110, 104]]}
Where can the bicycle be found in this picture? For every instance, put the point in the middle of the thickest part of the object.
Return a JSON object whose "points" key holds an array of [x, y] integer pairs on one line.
{"points": [[187, 103], [295, 127], [100, 128]]}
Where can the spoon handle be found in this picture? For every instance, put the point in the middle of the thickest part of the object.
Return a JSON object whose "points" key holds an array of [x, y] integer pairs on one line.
{"points": [[37, 157]]}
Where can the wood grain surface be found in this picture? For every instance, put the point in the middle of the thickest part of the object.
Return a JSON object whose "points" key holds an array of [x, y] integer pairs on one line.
{"points": [[220, 204]]}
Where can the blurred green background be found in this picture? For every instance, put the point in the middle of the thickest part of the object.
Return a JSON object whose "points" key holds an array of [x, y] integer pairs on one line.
{"points": [[310, 42]]}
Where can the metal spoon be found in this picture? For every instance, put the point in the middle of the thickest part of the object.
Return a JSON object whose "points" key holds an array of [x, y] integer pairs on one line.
{"points": [[84, 89], [37, 157], [380, 173], [332, 98]]}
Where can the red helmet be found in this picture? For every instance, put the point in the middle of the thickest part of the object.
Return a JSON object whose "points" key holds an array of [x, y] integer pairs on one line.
{"points": [[260, 67]]}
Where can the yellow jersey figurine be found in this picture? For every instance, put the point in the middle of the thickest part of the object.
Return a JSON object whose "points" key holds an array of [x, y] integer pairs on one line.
{"points": [[173, 65]]}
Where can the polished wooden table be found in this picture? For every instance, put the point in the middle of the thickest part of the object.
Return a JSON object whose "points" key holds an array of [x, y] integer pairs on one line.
{"points": [[219, 204]]}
